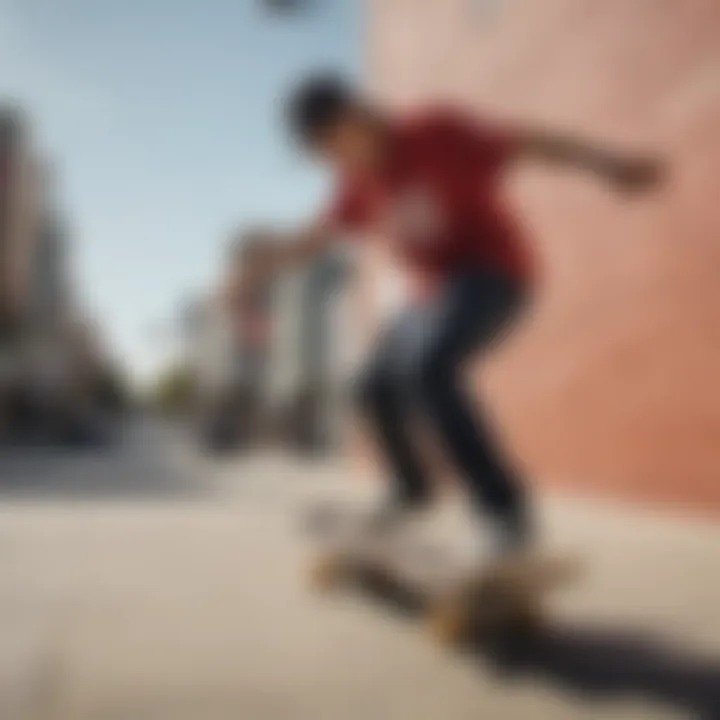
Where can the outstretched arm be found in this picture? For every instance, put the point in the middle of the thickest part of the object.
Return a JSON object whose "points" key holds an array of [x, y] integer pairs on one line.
{"points": [[627, 172], [280, 251], [265, 254]]}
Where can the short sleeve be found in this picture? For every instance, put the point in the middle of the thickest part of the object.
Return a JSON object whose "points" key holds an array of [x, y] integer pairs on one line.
{"points": [[489, 145]]}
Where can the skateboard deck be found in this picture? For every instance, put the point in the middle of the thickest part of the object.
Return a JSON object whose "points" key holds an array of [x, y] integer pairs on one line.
{"points": [[458, 602]]}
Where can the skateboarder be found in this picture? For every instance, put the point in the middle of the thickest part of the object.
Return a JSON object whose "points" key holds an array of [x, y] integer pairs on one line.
{"points": [[429, 185]]}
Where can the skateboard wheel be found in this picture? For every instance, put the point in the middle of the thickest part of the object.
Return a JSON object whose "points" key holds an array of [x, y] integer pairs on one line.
{"points": [[449, 624], [327, 573], [528, 621], [515, 628]]}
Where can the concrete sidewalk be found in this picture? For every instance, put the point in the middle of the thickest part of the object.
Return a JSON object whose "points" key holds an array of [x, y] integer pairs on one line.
{"points": [[197, 610]]}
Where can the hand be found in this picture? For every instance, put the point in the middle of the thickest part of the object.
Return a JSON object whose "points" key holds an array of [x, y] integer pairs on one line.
{"points": [[258, 251], [255, 277], [636, 175]]}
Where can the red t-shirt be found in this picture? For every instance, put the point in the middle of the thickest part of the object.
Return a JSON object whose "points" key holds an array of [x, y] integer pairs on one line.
{"points": [[438, 201]]}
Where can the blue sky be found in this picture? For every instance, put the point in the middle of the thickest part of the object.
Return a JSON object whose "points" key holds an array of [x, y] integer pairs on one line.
{"points": [[163, 115]]}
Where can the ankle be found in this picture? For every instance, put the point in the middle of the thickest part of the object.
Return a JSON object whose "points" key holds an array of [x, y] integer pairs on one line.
{"points": [[412, 500]]}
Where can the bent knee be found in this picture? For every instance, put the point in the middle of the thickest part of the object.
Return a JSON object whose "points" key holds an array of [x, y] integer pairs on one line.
{"points": [[372, 388], [434, 372]]}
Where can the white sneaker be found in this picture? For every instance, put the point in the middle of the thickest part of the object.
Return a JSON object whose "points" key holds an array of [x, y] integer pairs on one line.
{"points": [[391, 515]]}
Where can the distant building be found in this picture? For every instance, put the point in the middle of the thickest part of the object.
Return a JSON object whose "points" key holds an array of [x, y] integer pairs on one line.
{"points": [[281, 357], [210, 345], [49, 354], [17, 214], [48, 284], [311, 350]]}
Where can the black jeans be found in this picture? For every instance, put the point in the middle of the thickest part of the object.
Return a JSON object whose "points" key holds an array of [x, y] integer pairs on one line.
{"points": [[418, 364]]}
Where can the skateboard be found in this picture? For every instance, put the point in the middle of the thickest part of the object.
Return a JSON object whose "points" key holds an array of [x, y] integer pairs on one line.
{"points": [[458, 602]]}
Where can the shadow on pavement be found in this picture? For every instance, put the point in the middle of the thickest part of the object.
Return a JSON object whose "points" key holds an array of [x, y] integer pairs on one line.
{"points": [[601, 662], [590, 661]]}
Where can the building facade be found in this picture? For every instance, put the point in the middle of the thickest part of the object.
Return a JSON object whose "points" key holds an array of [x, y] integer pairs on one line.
{"points": [[610, 387], [48, 283], [312, 353], [51, 360], [271, 368], [18, 213], [17, 221]]}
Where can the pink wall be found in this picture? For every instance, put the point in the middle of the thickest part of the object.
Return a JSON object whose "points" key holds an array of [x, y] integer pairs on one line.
{"points": [[613, 386]]}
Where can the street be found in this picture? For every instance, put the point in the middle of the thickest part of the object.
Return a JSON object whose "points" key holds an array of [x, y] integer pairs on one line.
{"points": [[144, 582]]}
